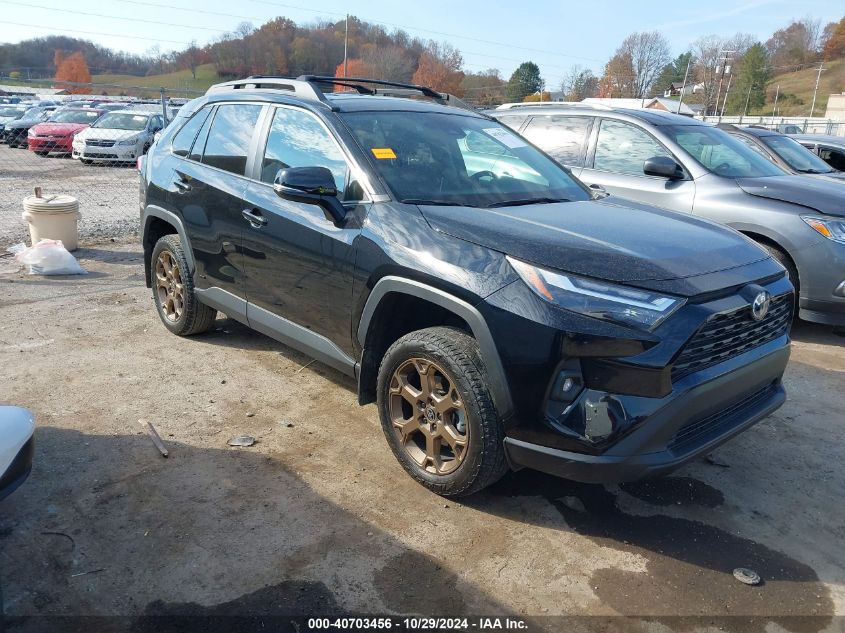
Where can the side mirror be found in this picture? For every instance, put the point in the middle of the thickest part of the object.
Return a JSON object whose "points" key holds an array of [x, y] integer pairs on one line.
{"points": [[311, 185], [598, 191], [663, 167]]}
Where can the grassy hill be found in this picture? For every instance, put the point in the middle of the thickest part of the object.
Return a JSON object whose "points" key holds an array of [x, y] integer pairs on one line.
{"points": [[796, 89], [178, 82]]}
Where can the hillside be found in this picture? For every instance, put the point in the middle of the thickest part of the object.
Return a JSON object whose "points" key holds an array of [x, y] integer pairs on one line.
{"points": [[798, 89], [177, 81]]}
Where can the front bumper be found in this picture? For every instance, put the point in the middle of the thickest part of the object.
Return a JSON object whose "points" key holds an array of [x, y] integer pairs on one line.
{"points": [[695, 418], [123, 153], [44, 144], [822, 272], [18, 470]]}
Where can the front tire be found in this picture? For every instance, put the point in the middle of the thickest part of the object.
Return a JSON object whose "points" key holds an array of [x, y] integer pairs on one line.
{"points": [[173, 290], [786, 261], [437, 413]]}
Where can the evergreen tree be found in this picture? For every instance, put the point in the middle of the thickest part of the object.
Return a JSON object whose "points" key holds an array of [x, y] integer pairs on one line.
{"points": [[750, 82], [524, 81]]}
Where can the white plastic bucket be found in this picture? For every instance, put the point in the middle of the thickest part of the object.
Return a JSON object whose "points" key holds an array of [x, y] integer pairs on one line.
{"points": [[53, 218]]}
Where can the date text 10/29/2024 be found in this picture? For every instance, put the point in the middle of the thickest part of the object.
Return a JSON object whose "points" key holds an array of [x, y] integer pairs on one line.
{"points": [[481, 624]]}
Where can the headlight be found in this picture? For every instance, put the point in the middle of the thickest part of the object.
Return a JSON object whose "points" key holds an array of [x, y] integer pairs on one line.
{"points": [[598, 299], [831, 229], [131, 141], [30, 132]]}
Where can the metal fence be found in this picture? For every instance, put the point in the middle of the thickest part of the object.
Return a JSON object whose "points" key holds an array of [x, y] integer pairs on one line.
{"points": [[85, 146], [807, 125]]}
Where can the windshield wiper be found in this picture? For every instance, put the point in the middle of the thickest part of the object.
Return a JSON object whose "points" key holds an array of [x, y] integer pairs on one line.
{"points": [[815, 171], [524, 201], [436, 203]]}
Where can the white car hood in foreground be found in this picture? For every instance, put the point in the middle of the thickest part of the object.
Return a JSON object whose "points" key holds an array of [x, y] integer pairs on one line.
{"points": [[16, 427]]}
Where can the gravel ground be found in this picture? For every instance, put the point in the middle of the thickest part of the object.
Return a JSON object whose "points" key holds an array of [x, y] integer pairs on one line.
{"points": [[108, 196], [319, 517]]}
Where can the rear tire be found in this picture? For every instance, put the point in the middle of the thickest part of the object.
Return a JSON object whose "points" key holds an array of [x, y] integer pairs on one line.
{"points": [[437, 413], [173, 290]]}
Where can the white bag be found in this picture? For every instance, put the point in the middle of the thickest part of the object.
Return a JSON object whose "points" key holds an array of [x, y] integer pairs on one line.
{"points": [[49, 257]]}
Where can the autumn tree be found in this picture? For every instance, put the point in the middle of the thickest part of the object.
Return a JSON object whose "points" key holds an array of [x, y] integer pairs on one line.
{"points": [[524, 81], [617, 79], [834, 45], [795, 45], [440, 68], [74, 70], [579, 83], [485, 88], [710, 54]]}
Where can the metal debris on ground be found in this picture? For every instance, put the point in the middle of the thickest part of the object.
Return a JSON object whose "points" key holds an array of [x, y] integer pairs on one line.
{"points": [[747, 576], [85, 573], [154, 436], [714, 462], [242, 440]]}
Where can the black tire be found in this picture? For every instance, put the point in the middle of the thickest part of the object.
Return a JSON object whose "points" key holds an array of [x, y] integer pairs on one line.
{"points": [[483, 461], [786, 261], [85, 161], [40, 153], [194, 317]]}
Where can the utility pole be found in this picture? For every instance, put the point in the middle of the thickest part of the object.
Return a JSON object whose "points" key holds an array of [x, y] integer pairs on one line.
{"points": [[683, 87], [346, 48], [777, 94], [722, 68], [724, 103], [747, 99], [816, 89]]}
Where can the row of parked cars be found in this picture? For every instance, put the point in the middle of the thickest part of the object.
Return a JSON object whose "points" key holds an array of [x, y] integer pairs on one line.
{"points": [[93, 132], [471, 273]]}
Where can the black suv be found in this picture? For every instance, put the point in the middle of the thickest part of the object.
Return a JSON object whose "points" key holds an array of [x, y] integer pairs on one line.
{"points": [[500, 313]]}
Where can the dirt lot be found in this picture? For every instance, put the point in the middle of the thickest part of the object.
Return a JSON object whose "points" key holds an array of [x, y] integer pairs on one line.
{"points": [[108, 196], [319, 517]]}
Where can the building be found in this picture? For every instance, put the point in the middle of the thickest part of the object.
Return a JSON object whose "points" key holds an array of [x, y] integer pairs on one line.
{"points": [[836, 107], [30, 92], [650, 103]]}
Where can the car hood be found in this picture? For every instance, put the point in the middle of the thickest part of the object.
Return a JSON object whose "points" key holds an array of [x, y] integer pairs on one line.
{"points": [[833, 176], [8, 119], [110, 134], [58, 129], [615, 240], [824, 195], [21, 123]]}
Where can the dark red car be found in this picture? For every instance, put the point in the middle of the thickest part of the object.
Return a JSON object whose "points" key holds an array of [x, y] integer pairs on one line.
{"points": [[56, 134]]}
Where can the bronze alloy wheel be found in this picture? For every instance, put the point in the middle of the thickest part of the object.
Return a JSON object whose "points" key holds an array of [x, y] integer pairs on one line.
{"points": [[169, 287], [428, 416]]}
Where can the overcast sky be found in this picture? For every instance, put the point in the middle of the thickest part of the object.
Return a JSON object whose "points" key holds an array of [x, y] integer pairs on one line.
{"points": [[554, 34]]}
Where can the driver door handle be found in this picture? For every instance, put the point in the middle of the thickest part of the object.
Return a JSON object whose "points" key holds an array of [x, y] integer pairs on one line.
{"points": [[254, 217]]}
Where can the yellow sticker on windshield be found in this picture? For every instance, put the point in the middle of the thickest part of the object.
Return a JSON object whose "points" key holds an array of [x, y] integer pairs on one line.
{"points": [[383, 153]]}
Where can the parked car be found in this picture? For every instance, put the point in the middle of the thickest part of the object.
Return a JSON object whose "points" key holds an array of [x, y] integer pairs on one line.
{"points": [[16, 447], [784, 151], [685, 165], [497, 311], [56, 134], [119, 136], [11, 113], [14, 132], [830, 149]]}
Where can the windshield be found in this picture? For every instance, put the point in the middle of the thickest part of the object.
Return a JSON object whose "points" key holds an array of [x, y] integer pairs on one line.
{"points": [[721, 153], [123, 121], [796, 155], [75, 116], [439, 158], [12, 112]]}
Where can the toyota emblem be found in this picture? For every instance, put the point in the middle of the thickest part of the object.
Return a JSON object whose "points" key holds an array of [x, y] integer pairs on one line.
{"points": [[760, 306]]}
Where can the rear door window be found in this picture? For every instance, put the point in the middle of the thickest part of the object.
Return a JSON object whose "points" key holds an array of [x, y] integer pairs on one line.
{"points": [[833, 157], [184, 138], [229, 138], [622, 148], [562, 137]]}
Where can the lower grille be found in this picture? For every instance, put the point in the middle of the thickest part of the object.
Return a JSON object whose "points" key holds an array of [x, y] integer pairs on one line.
{"points": [[698, 432], [730, 334]]}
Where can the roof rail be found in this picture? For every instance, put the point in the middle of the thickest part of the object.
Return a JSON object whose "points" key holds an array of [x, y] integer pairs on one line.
{"points": [[300, 88], [546, 104], [309, 87]]}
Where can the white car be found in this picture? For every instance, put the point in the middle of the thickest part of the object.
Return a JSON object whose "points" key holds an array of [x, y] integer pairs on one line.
{"points": [[119, 136], [16, 447]]}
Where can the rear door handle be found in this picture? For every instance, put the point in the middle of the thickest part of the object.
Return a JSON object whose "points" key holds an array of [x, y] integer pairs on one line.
{"points": [[254, 217], [181, 184]]}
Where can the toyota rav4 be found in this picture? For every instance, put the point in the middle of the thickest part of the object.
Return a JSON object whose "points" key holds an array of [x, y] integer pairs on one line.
{"points": [[499, 312]]}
